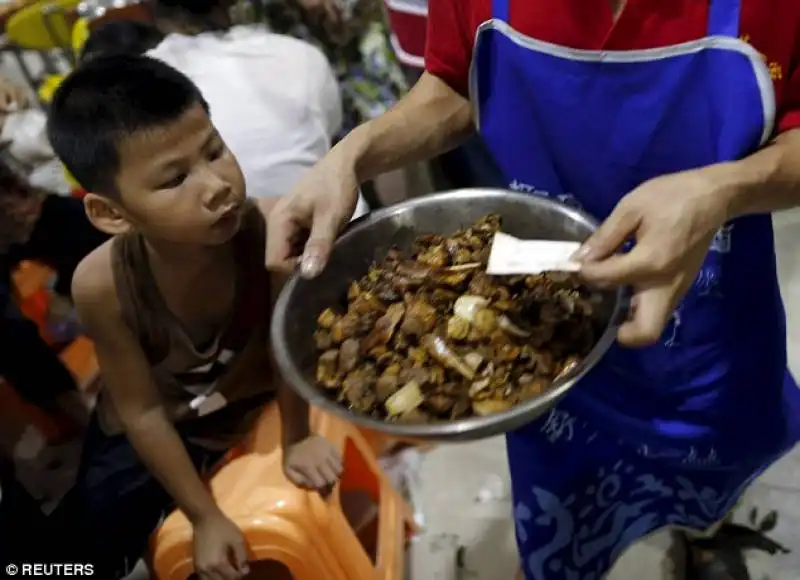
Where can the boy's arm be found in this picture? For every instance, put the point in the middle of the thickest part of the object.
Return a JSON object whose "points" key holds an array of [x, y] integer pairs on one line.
{"points": [[128, 383]]}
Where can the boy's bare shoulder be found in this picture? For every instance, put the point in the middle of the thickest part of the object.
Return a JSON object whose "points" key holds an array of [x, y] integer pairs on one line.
{"points": [[93, 288]]}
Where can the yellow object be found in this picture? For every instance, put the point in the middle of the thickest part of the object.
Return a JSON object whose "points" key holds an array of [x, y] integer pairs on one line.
{"points": [[71, 180], [80, 33], [48, 87], [32, 29]]}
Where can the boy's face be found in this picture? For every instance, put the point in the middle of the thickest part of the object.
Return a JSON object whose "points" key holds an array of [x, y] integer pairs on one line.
{"points": [[180, 183]]}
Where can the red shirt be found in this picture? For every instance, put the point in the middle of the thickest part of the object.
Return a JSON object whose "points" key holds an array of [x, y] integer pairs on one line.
{"points": [[408, 20], [771, 26]]}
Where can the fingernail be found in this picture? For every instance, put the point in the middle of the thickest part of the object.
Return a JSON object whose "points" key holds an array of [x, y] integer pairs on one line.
{"points": [[310, 266], [581, 253]]}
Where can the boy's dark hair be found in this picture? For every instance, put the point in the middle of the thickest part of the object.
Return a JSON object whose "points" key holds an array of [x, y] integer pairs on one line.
{"points": [[106, 100], [120, 37]]}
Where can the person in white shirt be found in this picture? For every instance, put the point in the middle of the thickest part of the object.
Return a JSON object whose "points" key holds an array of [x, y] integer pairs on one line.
{"points": [[275, 98]]}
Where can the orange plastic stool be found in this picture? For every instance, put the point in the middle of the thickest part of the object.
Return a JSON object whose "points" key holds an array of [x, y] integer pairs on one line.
{"points": [[314, 538], [29, 282]]}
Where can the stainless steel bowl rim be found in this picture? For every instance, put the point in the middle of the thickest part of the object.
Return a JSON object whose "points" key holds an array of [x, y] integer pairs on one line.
{"points": [[463, 428]]}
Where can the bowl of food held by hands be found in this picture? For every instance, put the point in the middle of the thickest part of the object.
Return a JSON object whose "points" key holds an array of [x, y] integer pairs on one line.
{"points": [[405, 333]]}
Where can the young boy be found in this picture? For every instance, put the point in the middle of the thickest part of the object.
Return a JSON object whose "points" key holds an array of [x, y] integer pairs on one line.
{"points": [[178, 304]]}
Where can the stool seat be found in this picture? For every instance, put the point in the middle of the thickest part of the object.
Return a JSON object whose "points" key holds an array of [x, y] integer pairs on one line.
{"points": [[314, 538]]}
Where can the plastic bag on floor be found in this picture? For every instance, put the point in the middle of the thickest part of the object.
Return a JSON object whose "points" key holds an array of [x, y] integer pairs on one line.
{"points": [[26, 133], [403, 469]]}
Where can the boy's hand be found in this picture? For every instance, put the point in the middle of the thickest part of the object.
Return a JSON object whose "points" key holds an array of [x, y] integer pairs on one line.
{"points": [[220, 552], [312, 463]]}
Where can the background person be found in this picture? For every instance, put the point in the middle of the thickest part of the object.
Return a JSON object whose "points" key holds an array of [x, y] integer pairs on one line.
{"points": [[275, 98]]}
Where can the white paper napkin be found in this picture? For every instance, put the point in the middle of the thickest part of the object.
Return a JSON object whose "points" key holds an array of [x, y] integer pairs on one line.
{"points": [[511, 256]]}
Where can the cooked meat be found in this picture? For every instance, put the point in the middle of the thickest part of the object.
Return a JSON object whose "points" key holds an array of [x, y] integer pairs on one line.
{"points": [[420, 317], [432, 337], [348, 355]]}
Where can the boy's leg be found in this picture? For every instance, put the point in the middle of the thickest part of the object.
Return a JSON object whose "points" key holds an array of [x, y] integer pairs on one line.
{"points": [[115, 505]]}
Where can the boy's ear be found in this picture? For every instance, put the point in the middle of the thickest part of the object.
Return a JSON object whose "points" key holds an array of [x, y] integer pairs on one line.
{"points": [[106, 215]]}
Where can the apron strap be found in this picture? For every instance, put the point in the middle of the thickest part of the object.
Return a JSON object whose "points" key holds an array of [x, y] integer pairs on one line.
{"points": [[723, 18], [500, 9]]}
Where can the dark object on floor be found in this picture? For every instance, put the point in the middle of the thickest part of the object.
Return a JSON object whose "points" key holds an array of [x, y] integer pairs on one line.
{"points": [[722, 557], [24, 529], [461, 557]]}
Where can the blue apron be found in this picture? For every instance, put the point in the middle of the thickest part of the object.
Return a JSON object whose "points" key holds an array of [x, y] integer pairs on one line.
{"points": [[670, 434]]}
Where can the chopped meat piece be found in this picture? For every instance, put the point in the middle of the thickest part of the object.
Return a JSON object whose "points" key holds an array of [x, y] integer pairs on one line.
{"points": [[420, 318], [348, 355], [458, 328], [386, 386], [322, 339], [345, 327], [327, 369], [384, 328]]}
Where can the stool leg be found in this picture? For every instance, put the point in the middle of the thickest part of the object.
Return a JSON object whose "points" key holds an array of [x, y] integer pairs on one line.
{"points": [[19, 56]]}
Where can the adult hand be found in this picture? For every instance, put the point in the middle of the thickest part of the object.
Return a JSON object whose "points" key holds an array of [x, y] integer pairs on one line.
{"points": [[220, 552], [673, 220], [304, 224]]}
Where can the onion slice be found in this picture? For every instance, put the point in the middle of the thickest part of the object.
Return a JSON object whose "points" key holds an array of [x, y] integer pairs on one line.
{"points": [[466, 306], [406, 399]]}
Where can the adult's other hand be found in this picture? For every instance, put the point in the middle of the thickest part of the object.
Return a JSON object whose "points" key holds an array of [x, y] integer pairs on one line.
{"points": [[304, 224], [672, 220]]}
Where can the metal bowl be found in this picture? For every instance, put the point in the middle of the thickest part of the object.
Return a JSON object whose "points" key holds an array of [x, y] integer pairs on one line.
{"points": [[368, 240]]}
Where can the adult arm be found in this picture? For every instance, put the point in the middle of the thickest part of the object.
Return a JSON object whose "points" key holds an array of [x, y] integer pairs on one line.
{"points": [[429, 120], [764, 182], [432, 118]]}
